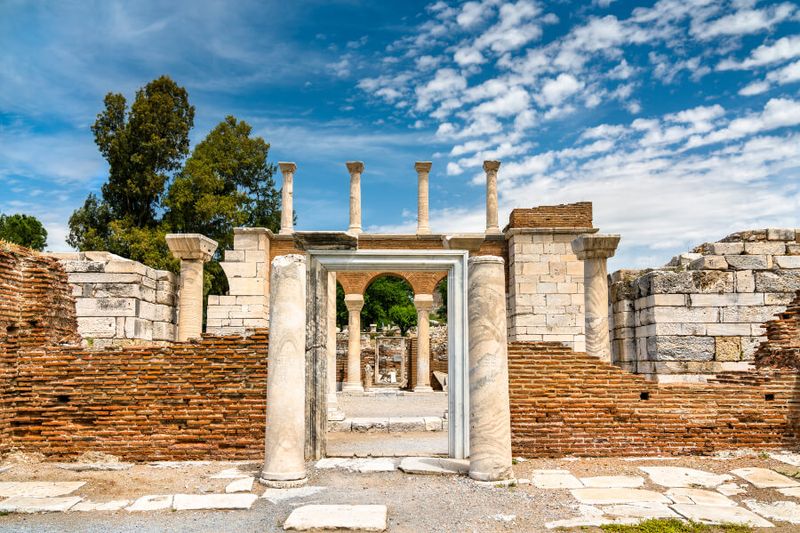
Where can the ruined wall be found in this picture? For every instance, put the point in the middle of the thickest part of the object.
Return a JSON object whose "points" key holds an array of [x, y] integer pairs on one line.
{"points": [[703, 313], [564, 403], [782, 347]]}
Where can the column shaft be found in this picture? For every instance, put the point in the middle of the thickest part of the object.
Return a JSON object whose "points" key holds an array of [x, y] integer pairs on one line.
{"points": [[353, 378], [424, 304], [491, 167], [355, 168], [334, 413], [595, 283], [287, 198], [190, 317], [423, 172]]}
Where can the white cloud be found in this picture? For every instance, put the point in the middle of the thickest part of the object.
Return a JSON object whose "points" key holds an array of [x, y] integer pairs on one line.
{"points": [[777, 113], [468, 56], [766, 54], [745, 21], [788, 74], [556, 90], [511, 103], [446, 83], [757, 87], [473, 13]]}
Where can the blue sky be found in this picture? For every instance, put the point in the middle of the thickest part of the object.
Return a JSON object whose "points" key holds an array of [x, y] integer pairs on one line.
{"points": [[679, 119]]}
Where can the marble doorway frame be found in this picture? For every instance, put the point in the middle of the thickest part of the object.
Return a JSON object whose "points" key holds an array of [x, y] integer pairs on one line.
{"points": [[455, 263]]}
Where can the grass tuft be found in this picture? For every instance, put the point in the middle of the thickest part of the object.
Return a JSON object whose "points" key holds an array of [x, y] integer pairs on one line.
{"points": [[673, 525]]}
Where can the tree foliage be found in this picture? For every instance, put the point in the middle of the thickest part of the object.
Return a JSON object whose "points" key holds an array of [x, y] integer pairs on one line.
{"points": [[403, 316], [383, 294], [25, 230]]}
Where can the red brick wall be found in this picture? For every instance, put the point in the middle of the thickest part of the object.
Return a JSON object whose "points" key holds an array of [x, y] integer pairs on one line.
{"points": [[578, 215], [782, 347], [564, 403]]}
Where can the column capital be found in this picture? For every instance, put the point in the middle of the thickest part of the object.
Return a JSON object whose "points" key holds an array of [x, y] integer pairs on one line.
{"points": [[287, 167], [423, 302], [354, 302], [491, 166], [191, 246], [355, 167], [423, 166], [596, 246]]}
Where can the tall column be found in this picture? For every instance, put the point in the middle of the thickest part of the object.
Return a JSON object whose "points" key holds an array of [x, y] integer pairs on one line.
{"points": [[352, 381], [334, 413], [287, 197], [423, 169], [490, 417], [355, 168], [594, 251], [284, 463], [491, 168], [424, 304], [193, 250]]}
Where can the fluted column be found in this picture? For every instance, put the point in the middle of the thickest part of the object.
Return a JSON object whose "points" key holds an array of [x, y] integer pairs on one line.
{"points": [[352, 381], [594, 250], [490, 418], [355, 168], [287, 197], [423, 169], [334, 413], [424, 304], [193, 250], [491, 167]]}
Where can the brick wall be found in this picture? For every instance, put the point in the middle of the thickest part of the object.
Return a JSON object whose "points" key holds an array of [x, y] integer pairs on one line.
{"points": [[565, 403], [782, 347], [578, 215]]}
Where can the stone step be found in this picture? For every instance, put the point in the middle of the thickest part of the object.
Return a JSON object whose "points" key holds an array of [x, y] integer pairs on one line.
{"points": [[395, 424]]}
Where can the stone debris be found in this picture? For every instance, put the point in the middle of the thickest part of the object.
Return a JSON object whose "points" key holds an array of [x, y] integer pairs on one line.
{"points": [[508, 518], [279, 495], [93, 467], [715, 514], [794, 492], [614, 482], [731, 489], [643, 510], [151, 502], [786, 457], [350, 517], [39, 489], [434, 466], [764, 478], [244, 484], [25, 504], [369, 425], [589, 517], [782, 511], [554, 479], [618, 496], [676, 476], [195, 502], [114, 505], [699, 497], [6, 468], [362, 466]]}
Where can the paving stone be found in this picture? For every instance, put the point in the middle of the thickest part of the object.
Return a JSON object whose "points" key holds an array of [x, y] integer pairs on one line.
{"points": [[25, 504], [151, 502], [764, 478], [794, 492], [555, 479], [677, 476], [699, 497], [589, 517], [230, 473], [93, 467], [786, 457], [434, 466], [617, 482], [279, 495], [358, 465], [177, 464], [351, 517], [370, 425], [244, 484], [617, 496], [403, 424], [711, 514], [39, 489], [113, 505], [195, 502], [782, 511], [644, 510], [731, 489]]}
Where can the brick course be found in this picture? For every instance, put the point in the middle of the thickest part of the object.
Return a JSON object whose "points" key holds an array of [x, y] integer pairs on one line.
{"points": [[577, 215]]}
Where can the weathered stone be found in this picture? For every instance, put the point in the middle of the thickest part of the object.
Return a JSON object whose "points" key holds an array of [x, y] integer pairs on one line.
{"points": [[747, 262], [763, 478], [709, 262], [699, 497], [728, 348], [783, 511], [726, 248], [369, 425], [765, 248], [363, 466], [787, 261], [671, 348], [25, 504], [434, 466], [423, 304], [610, 496], [352, 382], [94, 467], [194, 502], [406, 423], [423, 169], [781, 234], [711, 514], [279, 495], [38, 489], [287, 211], [113, 505], [699, 281], [676, 476], [555, 479], [491, 168], [613, 482], [152, 502], [356, 168], [642, 510], [244, 484], [193, 250], [349, 517]]}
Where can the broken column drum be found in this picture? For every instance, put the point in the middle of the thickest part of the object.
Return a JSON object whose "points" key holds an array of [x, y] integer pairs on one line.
{"points": [[284, 464]]}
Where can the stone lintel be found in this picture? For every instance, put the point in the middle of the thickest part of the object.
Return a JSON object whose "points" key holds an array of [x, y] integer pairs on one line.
{"points": [[287, 167], [189, 246], [423, 166], [253, 231], [464, 241], [325, 240], [598, 246], [355, 167]]}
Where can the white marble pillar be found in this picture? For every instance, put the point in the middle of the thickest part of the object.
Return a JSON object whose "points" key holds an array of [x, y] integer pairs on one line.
{"points": [[193, 250], [334, 412], [491, 168], [287, 197], [490, 417], [423, 169], [284, 463], [424, 304], [355, 168], [352, 382], [594, 250]]}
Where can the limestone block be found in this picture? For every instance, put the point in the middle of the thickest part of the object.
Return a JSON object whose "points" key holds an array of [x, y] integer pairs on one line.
{"points": [[106, 307], [668, 300], [748, 262], [728, 348], [792, 249], [787, 261], [779, 281], [102, 277], [685, 314], [698, 281], [136, 328], [234, 256], [745, 281], [166, 298], [764, 248], [167, 276], [246, 286], [251, 300], [758, 314], [729, 299], [249, 241], [82, 266], [163, 331], [127, 267], [779, 298], [669, 348], [716, 330], [671, 328], [256, 256], [239, 270], [726, 248], [684, 259], [97, 327], [709, 262], [749, 347], [781, 234]]}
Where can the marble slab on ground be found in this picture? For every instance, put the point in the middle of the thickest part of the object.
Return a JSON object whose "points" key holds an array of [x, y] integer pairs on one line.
{"points": [[113, 505], [764, 478], [151, 502], [197, 502], [716, 514], [617, 496], [794, 492], [244, 484], [177, 464], [362, 466], [93, 467], [39, 489], [24, 504], [731, 489], [554, 479], [279, 495], [348, 517], [613, 482], [782, 511], [644, 510], [789, 458], [230, 473], [699, 497], [677, 476], [434, 466]]}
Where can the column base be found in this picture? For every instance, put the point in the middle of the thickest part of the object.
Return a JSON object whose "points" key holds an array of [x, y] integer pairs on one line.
{"points": [[423, 388], [283, 484], [493, 231], [352, 387]]}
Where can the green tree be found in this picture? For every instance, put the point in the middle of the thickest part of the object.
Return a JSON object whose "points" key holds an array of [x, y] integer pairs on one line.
{"points": [[381, 295], [403, 316], [441, 311], [24, 230]]}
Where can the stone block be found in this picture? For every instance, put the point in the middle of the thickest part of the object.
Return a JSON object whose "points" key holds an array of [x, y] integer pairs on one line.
{"points": [[726, 248], [749, 347], [249, 241], [97, 327], [716, 330], [80, 266], [670, 348], [246, 286], [792, 249], [748, 262], [685, 314], [256, 256], [781, 234], [102, 277], [234, 256], [126, 267], [758, 314], [709, 262], [163, 331], [136, 328], [729, 299], [697, 281], [745, 281], [728, 348], [787, 261], [765, 248], [106, 307], [779, 281], [779, 298], [239, 270]]}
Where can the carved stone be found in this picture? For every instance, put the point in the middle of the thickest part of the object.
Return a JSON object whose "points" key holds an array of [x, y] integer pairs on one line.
{"points": [[334, 412]]}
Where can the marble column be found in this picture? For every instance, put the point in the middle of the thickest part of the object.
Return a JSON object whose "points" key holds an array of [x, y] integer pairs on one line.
{"points": [[594, 250], [352, 382], [490, 417], [491, 167], [423, 169], [287, 198], [355, 168], [334, 412], [424, 304], [284, 464], [193, 250]]}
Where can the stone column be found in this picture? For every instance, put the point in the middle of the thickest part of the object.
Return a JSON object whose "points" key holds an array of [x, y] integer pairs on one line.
{"points": [[423, 169], [355, 168], [352, 381], [594, 251], [193, 250], [284, 464], [287, 198], [490, 417], [424, 304], [334, 412], [491, 167]]}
